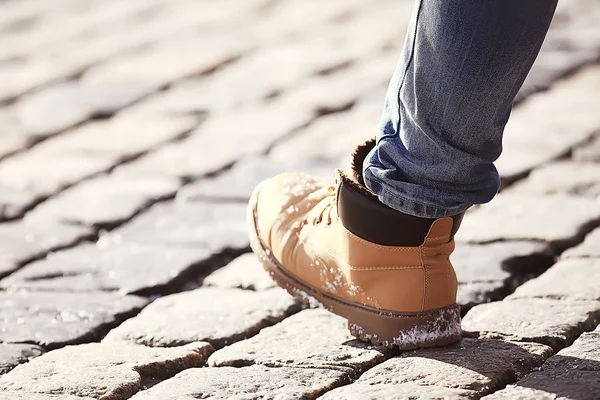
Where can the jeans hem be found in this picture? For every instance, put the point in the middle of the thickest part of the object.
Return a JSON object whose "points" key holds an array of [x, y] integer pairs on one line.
{"points": [[398, 201]]}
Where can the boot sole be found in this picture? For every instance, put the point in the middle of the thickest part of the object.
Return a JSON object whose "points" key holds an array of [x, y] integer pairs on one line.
{"points": [[406, 331]]}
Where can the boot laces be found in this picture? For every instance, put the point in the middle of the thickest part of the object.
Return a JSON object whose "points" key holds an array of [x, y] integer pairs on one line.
{"points": [[327, 206]]}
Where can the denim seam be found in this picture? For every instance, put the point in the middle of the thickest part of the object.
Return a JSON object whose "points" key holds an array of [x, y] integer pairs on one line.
{"points": [[411, 56]]}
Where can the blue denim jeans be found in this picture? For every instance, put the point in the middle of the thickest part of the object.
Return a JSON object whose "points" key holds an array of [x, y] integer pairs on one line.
{"points": [[448, 102]]}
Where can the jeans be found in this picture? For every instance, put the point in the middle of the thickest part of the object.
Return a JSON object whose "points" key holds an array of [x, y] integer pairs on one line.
{"points": [[448, 102]]}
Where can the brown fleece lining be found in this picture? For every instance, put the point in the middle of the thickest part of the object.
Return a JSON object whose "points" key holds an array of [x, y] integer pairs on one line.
{"points": [[359, 187], [358, 158], [358, 184]]}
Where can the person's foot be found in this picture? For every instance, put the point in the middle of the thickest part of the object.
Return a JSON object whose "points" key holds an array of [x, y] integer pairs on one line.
{"points": [[337, 246]]}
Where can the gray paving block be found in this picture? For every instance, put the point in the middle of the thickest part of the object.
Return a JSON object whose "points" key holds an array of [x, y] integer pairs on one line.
{"points": [[127, 267], [218, 316], [96, 370], [53, 319]]}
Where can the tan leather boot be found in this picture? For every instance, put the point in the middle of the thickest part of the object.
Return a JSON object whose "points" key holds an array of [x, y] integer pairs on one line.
{"points": [[337, 246]]}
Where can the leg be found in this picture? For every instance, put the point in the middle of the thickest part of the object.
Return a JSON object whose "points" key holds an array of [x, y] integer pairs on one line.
{"points": [[386, 267], [449, 100]]}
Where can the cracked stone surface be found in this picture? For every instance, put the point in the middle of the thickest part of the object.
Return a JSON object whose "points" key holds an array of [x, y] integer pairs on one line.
{"points": [[95, 370], [244, 272], [581, 179], [590, 247], [573, 373], [22, 241], [217, 316], [309, 339], [479, 365], [122, 197], [216, 226], [573, 279], [239, 182], [556, 323], [358, 391], [250, 383], [127, 268], [12, 355], [487, 271], [525, 217], [54, 319]]}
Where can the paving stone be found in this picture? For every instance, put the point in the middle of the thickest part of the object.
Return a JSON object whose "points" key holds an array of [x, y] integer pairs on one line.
{"points": [[37, 174], [553, 64], [556, 323], [341, 89], [10, 395], [14, 203], [253, 129], [574, 373], [296, 61], [105, 200], [569, 106], [99, 371], [580, 179], [480, 365], [127, 268], [525, 217], [573, 279], [329, 137], [217, 316], [244, 272], [216, 226], [407, 391], [52, 319], [590, 247], [580, 385], [14, 136], [113, 49], [588, 152], [12, 355], [66, 104], [250, 383], [114, 138], [24, 75], [239, 182], [487, 272], [156, 66], [583, 354], [310, 339], [472, 293], [22, 241], [87, 150], [68, 20]]}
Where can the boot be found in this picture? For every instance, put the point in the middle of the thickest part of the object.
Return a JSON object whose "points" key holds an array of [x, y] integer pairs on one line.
{"points": [[338, 247]]}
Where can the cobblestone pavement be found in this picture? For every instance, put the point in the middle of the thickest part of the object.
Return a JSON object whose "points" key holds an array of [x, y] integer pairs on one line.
{"points": [[132, 133]]}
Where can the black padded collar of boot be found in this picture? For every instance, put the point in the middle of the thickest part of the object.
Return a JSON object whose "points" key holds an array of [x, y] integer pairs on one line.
{"points": [[365, 216]]}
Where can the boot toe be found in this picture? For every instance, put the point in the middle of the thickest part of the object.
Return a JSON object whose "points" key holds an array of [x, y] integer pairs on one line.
{"points": [[283, 200]]}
